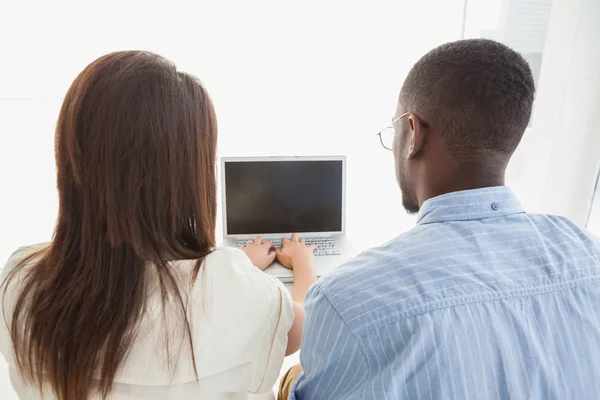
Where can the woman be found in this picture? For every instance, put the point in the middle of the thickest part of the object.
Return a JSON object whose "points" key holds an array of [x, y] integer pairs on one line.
{"points": [[131, 300]]}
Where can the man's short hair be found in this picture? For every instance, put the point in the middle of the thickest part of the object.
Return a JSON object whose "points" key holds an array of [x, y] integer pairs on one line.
{"points": [[477, 93]]}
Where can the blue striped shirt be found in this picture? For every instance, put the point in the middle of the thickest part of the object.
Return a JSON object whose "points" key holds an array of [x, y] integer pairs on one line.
{"points": [[479, 301]]}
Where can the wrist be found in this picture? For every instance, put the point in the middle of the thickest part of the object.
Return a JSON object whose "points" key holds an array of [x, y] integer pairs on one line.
{"points": [[304, 277], [303, 266]]}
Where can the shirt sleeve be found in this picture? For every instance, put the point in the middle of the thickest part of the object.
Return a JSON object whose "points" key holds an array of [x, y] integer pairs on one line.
{"points": [[271, 343], [333, 363]]}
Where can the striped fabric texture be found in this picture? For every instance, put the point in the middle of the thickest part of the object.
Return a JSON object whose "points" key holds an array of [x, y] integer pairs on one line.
{"points": [[479, 301]]}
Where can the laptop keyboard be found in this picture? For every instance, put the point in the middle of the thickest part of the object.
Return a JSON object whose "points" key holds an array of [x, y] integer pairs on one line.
{"points": [[325, 246]]}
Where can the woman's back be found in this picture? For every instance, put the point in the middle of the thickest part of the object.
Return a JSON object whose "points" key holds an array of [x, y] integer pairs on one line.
{"points": [[111, 305], [239, 318]]}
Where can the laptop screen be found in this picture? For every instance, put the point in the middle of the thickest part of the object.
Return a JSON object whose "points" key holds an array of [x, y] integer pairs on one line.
{"points": [[264, 197]]}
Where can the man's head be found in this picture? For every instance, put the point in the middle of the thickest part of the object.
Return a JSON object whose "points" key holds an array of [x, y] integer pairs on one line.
{"points": [[469, 103]]}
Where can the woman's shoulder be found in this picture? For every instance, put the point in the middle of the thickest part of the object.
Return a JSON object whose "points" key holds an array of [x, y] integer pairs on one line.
{"points": [[228, 256], [19, 256], [230, 269], [231, 263], [230, 285], [22, 252], [9, 291]]}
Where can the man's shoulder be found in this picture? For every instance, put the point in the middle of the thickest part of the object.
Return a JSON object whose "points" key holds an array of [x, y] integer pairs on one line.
{"points": [[565, 235], [425, 267], [362, 283], [564, 224]]}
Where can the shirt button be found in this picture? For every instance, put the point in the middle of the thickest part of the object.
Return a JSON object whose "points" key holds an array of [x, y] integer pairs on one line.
{"points": [[495, 206]]}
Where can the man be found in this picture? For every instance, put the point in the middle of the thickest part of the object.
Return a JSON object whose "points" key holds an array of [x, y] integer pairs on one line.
{"points": [[480, 300]]}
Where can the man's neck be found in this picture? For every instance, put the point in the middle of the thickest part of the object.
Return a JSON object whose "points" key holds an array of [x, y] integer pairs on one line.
{"points": [[463, 179]]}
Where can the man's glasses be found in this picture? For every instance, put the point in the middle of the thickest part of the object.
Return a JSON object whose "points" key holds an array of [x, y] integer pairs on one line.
{"points": [[386, 135]]}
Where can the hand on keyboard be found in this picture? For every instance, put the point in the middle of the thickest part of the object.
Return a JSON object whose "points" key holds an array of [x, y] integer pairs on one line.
{"points": [[296, 253], [261, 253], [324, 246]]}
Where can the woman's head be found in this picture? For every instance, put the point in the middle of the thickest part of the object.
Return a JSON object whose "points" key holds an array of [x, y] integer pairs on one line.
{"points": [[135, 154]]}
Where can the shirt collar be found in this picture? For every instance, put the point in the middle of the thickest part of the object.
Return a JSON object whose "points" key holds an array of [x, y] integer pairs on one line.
{"points": [[470, 205]]}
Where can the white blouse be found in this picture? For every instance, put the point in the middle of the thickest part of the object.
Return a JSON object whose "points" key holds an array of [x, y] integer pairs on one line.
{"points": [[239, 316]]}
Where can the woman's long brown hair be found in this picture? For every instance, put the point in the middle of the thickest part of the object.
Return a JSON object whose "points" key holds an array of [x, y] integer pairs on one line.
{"points": [[135, 155]]}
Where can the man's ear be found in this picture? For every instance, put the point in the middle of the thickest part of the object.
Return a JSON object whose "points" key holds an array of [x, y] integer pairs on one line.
{"points": [[417, 137]]}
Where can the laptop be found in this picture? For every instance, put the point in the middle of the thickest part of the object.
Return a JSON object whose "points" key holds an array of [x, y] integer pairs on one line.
{"points": [[273, 197]]}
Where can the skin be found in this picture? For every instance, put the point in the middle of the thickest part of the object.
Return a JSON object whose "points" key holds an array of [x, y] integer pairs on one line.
{"points": [[261, 253], [297, 256], [426, 169]]}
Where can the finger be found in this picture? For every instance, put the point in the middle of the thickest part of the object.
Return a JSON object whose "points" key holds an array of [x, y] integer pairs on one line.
{"points": [[294, 237], [258, 241], [272, 256], [284, 241], [277, 251], [303, 241]]}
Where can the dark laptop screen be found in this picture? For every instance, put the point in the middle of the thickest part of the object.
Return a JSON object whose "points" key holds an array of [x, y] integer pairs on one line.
{"points": [[265, 197]]}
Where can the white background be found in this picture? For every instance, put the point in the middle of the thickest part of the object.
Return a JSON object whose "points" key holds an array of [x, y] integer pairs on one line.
{"points": [[306, 78]]}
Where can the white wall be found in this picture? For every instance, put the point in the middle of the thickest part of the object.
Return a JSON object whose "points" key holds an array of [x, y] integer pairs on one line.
{"points": [[317, 77], [313, 77], [562, 165]]}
